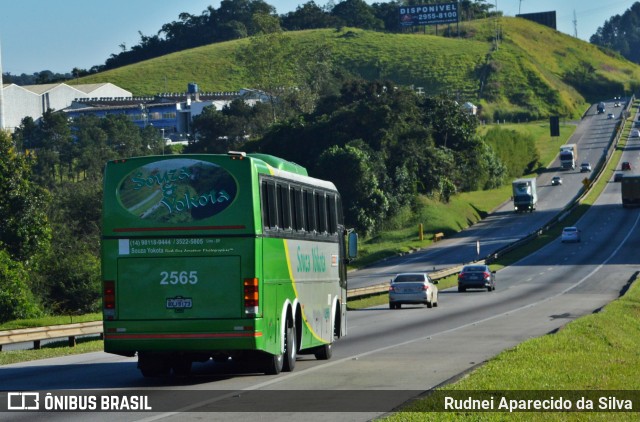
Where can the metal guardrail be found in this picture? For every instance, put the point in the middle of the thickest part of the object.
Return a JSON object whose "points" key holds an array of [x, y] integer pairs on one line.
{"points": [[37, 334], [361, 292]]}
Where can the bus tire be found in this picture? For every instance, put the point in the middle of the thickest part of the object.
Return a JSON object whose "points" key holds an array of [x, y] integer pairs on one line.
{"points": [[324, 352], [153, 365], [290, 349], [274, 364]]}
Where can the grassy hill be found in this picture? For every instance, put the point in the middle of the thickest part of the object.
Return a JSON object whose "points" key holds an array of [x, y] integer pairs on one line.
{"points": [[524, 78]]}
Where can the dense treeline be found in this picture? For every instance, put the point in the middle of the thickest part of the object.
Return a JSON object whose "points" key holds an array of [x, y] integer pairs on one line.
{"points": [[381, 144], [621, 33]]}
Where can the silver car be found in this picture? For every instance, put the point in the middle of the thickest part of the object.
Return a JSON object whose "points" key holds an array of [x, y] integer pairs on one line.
{"points": [[570, 234], [412, 288]]}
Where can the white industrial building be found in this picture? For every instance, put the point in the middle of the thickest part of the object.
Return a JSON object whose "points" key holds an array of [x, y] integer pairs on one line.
{"points": [[18, 102]]}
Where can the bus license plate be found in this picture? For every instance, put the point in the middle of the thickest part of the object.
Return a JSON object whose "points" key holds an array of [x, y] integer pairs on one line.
{"points": [[179, 303]]}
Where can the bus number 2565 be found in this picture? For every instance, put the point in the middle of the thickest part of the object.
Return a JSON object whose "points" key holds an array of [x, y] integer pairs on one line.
{"points": [[178, 277]]}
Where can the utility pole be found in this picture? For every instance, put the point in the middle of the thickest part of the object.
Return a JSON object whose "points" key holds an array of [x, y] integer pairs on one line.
{"points": [[575, 24]]}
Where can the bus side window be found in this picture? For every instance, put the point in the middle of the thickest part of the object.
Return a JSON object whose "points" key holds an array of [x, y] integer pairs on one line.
{"points": [[298, 209], [284, 208], [321, 211], [269, 205], [332, 214], [309, 205], [339, 210]]}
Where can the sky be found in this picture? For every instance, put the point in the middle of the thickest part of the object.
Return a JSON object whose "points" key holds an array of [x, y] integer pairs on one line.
{"points": [[37, 35]]}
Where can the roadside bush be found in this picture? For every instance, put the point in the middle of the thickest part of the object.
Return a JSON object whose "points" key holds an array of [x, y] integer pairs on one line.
{"points": [[516, 151], [70, 281], [16, 300]]}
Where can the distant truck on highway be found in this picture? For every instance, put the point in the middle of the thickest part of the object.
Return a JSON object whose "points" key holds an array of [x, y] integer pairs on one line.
{"points": [[568, 156], [525, 195], [601, 108], [630, 190]]}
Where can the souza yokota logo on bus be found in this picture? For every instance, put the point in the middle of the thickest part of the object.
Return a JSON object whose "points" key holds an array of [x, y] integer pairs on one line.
{"points": [[314, 262], [177, 190]]}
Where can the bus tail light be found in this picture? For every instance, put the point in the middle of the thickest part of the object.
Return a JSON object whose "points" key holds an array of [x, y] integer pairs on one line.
{"points": [[251, 296], [109, 298]]}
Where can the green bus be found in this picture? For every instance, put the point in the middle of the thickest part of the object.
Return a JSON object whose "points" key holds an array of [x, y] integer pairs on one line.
{"points": [[237, 257]]}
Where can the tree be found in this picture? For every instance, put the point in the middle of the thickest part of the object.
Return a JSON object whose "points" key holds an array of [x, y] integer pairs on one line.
{"points": [[452, 127], [243, 11], [27, 136], [621, 33], [68, 280], [25, 229], [387, 13], [266, 61], [16, 300], [57, 141], [93, 146], [357, 13], [211, 128], [350, 168], [308, 16]]}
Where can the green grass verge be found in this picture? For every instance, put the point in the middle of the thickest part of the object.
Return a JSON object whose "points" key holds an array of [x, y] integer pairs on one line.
{"points": [[50, 320]]}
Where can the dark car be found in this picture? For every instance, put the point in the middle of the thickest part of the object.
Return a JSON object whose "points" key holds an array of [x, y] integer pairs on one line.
{"points": [[626, 165], [618, 177], [476, 277]]}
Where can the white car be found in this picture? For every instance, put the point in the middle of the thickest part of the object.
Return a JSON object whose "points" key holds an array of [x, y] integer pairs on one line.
{"points": [[635, 133], [412, 288], [570, 234]]}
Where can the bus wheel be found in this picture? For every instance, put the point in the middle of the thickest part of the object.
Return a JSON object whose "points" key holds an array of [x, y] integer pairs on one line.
{"points": [[153, 365], [324, 352], [290, 349]]}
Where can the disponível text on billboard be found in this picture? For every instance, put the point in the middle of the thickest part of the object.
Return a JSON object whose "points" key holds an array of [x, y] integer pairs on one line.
{"points": [[428, 14]]}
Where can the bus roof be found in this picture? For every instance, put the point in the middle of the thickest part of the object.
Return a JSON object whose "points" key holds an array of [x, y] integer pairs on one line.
{"points": [[280, 163], [290, 170]]}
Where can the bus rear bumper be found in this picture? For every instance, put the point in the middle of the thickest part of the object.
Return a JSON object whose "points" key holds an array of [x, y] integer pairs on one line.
{"points": [[128, 337]]}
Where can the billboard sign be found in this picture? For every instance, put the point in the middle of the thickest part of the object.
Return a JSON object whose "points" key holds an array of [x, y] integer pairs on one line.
{"points": [[428, 14]]}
